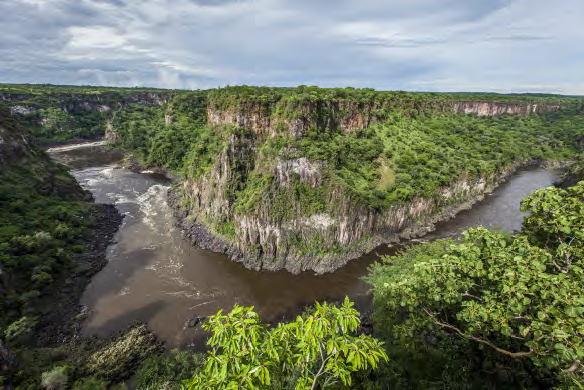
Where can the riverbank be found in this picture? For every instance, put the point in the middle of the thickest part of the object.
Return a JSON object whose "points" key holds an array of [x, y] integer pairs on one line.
{"points": [[157, 277], [65, 320], [47, 144]]}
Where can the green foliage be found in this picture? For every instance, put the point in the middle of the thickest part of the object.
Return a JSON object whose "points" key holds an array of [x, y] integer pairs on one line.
{"points": [[555, 222], [19, 328], [167, 370], [56, 379], [291, 98], [43, 221], [320, 349], [90, 383], [516, 299], [116, 360], [173, 136]]}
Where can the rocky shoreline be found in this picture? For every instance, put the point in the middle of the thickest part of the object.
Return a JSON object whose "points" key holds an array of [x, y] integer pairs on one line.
{"points": [[64, 322]]}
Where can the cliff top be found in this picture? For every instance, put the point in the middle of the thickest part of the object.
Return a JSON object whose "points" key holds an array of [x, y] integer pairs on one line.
{"points": [[42, 89], [364, 95], [276, 93]]}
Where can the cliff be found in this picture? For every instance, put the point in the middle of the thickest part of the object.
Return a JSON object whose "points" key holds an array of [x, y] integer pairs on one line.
{"points": [[70, 113], [278, 197], [20, 156], [308, 178], [288, 118]]}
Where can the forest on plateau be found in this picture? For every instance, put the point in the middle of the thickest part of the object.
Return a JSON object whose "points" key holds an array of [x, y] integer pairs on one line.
{"points": [[410, 153], [491, 310], [368, 151]]}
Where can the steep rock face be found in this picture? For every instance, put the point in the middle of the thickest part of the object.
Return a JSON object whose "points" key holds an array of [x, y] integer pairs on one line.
{"points": [[265, 120], [210, 197], [321, 241], [307, 171], [283, 230], [497, 109]]}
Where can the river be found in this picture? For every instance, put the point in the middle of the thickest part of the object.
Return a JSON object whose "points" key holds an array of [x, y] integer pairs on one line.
{"points": [[155, 276]]}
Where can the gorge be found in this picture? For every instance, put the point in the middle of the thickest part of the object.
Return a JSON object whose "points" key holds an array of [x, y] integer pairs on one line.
{"points": [[307, 178], [280, 180], [154, 275]]}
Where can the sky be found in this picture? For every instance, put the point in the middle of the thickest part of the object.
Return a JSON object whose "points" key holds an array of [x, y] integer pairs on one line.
{"points": [[415, 45]]}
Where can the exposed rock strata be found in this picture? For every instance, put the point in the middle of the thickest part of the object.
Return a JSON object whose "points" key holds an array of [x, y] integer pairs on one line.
{"points": [[264, 244], [349, 116], [281, 233]]}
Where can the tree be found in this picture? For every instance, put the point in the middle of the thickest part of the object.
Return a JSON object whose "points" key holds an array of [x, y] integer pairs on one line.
{"points": [[519, 297], [312, 352]]}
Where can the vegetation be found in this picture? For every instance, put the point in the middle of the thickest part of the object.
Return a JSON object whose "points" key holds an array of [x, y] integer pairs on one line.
{"points": [[237, 95], [492, 310], [57, 113], [43, 223], [316, 351], [514, 301], [175, 136], [167, 371]]}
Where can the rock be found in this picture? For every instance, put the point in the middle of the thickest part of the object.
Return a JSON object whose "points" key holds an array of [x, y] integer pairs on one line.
{"points": [[195, 321], [366, 325]]}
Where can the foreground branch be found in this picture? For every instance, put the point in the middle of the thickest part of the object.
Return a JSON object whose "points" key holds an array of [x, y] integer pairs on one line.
{"points": [[515, 355]]}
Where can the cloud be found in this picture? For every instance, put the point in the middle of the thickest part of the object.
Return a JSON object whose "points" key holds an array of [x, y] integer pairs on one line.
{"points": [[492, 45]]}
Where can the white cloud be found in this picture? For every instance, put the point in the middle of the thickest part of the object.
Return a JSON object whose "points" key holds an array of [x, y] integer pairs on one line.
{"points": [[499, 45]]}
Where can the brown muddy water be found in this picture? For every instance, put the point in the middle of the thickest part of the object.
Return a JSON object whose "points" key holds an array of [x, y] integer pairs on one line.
{"points": [[155, 276]]}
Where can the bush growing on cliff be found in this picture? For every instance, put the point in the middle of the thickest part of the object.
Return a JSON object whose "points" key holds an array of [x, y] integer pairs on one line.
{"points": [[90, 383], [315, 351], [56, 379], [167, 370], [515, 301]]}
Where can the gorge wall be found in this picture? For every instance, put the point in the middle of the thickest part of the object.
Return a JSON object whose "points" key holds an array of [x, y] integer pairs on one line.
{"points": [[63, 114], [278, 209], [349, 116], [308, 178]]}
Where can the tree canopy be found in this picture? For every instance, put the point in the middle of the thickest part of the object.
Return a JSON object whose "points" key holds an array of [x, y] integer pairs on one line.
{"points": [[517, 297]]}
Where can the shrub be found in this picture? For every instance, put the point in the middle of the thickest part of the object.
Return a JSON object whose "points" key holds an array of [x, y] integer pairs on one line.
{"points": [[168, 369], [91, 383], [56, 379]]}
